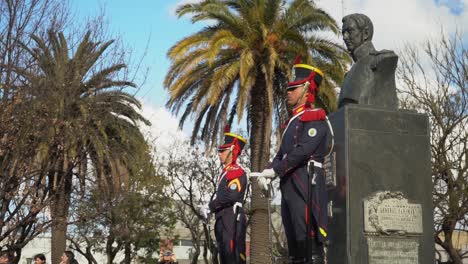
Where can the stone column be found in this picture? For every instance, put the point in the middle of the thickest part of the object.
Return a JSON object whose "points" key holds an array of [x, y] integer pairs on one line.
{"points": [[380, 188]]}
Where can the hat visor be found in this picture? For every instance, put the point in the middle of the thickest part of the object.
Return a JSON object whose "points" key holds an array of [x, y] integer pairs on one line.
{"points": [[296, 83], [292, 87], [224, 147]]}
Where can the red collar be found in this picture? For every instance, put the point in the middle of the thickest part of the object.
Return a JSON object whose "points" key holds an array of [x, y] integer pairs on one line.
{"points": [[315, 114], [308, 114]]}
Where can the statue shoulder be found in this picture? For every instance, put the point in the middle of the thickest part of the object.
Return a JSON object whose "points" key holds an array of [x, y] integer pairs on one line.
{"points": [[383, 58]]}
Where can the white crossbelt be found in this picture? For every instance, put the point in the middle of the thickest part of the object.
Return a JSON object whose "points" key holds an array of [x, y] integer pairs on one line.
{"points": [[316, 163], [234, 208]]}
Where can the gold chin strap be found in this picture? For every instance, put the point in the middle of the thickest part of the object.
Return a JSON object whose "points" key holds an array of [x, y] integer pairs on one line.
{"points": [[306, 87], [231, 149]]}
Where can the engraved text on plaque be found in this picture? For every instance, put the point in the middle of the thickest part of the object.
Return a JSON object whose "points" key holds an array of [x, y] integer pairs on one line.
{"points": [[389, 212], [386, 250]]}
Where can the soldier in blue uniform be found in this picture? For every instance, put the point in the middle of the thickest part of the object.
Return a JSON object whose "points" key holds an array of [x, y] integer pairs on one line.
{"points": [[230, 226], [298, 164]]}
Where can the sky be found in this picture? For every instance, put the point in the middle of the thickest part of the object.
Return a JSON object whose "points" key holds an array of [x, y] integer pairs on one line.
{"points": [[151, 26]]}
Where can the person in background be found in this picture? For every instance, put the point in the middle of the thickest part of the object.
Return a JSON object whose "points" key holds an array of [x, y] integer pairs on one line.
{"points": [[6, 257], [68, 258], [39, 259]]}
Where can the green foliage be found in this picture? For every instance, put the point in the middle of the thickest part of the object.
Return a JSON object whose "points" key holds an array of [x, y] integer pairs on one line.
{"points": [[136, 212], [215, 70], [84, 120], [238, 66], [80, 107]]}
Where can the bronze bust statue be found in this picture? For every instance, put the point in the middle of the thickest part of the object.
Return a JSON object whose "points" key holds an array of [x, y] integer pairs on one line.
{"points": [[371, 79]]}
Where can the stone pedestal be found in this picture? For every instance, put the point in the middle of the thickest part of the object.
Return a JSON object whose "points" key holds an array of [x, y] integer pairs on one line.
{"points": [[380, 188]]}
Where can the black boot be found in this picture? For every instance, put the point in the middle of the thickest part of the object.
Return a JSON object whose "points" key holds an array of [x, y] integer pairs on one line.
{"points": [[292, 248], [309, 252], [316, 249], [301, 252]]}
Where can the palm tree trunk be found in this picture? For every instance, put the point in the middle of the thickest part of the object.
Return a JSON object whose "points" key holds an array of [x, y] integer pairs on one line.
{"points": [[59, 215], [261, 115], [61, 180]]}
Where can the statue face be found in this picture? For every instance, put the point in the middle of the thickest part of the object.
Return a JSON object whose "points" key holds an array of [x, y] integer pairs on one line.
{"points": [[352, 35]]}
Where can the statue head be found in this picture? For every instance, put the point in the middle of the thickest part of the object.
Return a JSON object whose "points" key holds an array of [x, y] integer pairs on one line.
{"points": [[357, 29]]}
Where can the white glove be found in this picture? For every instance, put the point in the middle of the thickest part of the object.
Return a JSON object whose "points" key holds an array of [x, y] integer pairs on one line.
{"points": [[267, 173], [263, 183], [204, 210]]}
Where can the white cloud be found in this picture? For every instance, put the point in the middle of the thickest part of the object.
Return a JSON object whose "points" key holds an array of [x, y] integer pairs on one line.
{"points": [[164, 131], [398, 22], [401, 22]]}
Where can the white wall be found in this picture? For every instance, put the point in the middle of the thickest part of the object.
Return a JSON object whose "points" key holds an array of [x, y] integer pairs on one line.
{"points": [[42, 245]]}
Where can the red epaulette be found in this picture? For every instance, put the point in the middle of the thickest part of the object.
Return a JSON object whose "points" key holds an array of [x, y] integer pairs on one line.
{"points": [[316, 114], [233, 171]]}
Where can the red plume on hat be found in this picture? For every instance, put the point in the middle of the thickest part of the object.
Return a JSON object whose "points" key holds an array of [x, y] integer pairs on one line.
{"points": [[297, 60]]}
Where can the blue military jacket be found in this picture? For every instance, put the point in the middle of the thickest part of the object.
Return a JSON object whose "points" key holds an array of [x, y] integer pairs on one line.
{"points": [[305, 139], [231, 189]]}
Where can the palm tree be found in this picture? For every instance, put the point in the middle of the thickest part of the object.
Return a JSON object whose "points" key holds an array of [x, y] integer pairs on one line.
{"points": [[246, 51], [85, 118]]}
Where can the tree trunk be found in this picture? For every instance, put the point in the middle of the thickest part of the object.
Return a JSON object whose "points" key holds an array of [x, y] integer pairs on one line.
{"points": [[59, 215], [196, 254], [87, 253], [111, 252], [89, 256], [261, 123], [196, 239], [205, 253], [206, 246], [448, 227], [128, 253], [17, 257], [210, 245]]}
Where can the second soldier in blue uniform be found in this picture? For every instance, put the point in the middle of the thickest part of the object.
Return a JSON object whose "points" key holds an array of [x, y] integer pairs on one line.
{"points": [[230, 226]]}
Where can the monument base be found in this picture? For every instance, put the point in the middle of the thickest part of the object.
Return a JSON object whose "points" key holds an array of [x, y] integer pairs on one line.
{"points": [[380, 188]]}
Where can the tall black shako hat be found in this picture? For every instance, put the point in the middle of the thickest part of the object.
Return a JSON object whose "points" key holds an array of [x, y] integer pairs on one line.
{"points": [[232, 140], [304, 73]]}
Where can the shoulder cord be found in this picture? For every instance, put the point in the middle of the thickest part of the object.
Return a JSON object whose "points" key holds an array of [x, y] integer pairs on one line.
{"points": [[332, 137]]}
